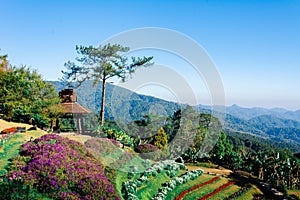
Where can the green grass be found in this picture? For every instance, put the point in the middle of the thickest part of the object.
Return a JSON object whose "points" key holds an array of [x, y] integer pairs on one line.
{"points": [[154, 184], [206, 189], [249, 194], [179, 189], [121, 173], [151, 188], [294, 192], [226, 192], [120, 178], [12, 147]]}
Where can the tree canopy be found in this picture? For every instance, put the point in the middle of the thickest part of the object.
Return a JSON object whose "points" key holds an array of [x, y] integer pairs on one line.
{"points": [[26, 97], [100, 64]]}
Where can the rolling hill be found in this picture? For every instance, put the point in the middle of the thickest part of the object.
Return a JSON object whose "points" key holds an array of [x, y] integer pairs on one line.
{"points": [[276, 124]]}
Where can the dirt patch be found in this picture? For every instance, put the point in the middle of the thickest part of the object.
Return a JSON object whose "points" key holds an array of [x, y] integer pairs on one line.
{"points": [[77, 137], [210, 170]]}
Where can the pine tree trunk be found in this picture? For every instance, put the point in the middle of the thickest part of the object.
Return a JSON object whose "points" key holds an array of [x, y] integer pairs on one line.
{"points": [[102, 101]]}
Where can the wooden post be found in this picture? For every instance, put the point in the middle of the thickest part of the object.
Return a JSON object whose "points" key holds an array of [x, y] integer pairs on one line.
{"points": [[78, 125]]}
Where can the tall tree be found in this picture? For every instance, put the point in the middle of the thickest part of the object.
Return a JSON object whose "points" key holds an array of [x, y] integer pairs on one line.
{"points": [[25, 96], [100, 64]]}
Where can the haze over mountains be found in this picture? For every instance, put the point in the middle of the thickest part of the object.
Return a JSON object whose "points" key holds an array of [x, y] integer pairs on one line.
{"points": [[248, 113], [277, 124]]}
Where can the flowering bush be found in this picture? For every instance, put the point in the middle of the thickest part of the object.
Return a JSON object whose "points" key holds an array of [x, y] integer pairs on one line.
{"points": [[147, 151], [59, 168], [146, 148], [6, 135]]}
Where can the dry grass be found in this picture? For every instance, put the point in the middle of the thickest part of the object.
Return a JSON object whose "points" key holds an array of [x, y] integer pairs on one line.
{"points": [[294, 192], [80, 138], [5, 124], [210, 170]]}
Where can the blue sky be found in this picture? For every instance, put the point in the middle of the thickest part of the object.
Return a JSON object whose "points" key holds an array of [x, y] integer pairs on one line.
{"points": [[254, 44]]}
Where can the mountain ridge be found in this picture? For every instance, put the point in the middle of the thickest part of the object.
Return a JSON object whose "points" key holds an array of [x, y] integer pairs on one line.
{"points": [[277, 124]]}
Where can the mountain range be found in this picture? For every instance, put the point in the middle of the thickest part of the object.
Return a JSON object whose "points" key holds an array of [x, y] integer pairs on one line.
{"points": [[277, 124]]}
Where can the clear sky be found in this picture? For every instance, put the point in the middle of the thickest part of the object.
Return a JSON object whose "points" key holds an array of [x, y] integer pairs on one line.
{"points": [[255, 44]]}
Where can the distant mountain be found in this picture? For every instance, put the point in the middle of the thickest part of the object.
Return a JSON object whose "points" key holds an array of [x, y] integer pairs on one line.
{"points": [[294, 115], [264, 121], [266, 126], [248, 113], [276, 124]]}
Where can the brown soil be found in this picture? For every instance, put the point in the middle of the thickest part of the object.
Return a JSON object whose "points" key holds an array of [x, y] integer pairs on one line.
{"points": [[210, 170]]}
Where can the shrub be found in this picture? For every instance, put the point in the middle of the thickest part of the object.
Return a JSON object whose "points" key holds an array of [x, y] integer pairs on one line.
{"points": [[147, 151], [161, 140], [59, 168]]}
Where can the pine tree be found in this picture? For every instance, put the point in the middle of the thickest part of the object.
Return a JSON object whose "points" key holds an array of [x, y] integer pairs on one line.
{"points": [[100, 64]]}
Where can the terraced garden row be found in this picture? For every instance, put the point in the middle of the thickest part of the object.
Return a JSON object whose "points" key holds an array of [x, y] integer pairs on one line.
{"points": [[161, 180], [170, 182]]}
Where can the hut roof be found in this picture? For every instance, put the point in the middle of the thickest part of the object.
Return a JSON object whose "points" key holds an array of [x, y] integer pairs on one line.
{"points": [[74, 108], [69, 103]]}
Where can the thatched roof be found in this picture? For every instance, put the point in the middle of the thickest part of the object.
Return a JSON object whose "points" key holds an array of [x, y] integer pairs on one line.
{"points": [[74, 108], [69, 103]]}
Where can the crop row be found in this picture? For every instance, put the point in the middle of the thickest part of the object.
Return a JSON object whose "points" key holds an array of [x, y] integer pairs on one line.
{"points": [[183, 193], [170, 185], [129, 188], [217, 190], [239, 192]]}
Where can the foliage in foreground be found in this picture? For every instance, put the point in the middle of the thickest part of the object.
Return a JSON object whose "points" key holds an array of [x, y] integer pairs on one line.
{"points": [[55, 167], [25, 97]]}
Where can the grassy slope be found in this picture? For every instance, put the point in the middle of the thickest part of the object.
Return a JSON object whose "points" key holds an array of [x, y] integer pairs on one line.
{"points": [[249, 194], [154, 184], [11, 148], [206, 189], [294, 192], [179, 189]]}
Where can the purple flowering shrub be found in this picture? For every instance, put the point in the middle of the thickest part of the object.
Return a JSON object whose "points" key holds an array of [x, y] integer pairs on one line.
{"points": [[59, 168], [146, 148], [147, 151]]}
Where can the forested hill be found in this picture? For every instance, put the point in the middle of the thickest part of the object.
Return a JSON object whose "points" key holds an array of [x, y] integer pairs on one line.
{"points": [[129, 102], [278, 124], [248, 113]]}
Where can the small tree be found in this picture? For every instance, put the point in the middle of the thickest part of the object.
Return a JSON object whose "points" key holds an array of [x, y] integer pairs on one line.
{"points": [[101, 64], [161, 140]]}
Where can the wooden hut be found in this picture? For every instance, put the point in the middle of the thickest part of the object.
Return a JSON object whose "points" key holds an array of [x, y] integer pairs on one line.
{"points": [[72, 109]]}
